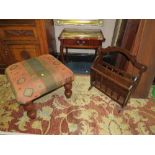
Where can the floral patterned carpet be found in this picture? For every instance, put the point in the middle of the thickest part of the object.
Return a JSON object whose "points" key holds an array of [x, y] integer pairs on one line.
{"points": [[86, 112]]}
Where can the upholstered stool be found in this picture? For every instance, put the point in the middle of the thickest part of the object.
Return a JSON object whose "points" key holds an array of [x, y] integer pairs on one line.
{"points": [[37, 76]]}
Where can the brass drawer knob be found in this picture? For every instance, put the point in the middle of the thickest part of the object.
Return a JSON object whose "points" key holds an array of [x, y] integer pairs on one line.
{"points": [[78, 42], [83, 41]]}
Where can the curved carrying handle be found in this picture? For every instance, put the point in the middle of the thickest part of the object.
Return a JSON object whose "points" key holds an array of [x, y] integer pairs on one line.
{"points": [[126, 53]]}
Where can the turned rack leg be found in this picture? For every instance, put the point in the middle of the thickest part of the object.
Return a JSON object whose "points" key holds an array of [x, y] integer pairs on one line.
{"points": [[31, 112], [90, 87], [120, 110], [68, 89]]}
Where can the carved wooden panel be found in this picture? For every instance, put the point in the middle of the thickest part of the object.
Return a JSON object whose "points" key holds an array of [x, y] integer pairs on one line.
{"points": [[23, 52], [19, 33], [24, 38], [4, 54]]}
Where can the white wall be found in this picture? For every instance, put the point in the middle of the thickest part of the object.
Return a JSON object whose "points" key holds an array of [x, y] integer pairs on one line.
{"points": [[107, 29]]}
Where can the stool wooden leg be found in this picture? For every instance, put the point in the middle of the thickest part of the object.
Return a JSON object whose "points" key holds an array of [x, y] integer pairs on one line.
{"points": [[31, 112], [68, 89]]}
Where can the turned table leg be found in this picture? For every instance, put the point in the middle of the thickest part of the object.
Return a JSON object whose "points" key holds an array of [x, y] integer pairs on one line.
{"points": [[68, 89], [96, 52], [67, 55], [31, 112], [62, 54]]}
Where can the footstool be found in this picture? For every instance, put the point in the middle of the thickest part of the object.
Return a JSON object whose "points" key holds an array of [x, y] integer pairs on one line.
{"points": [[32, 78]]}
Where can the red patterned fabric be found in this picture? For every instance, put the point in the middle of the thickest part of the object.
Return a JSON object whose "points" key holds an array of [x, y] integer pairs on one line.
{"points": [[36, 76]]}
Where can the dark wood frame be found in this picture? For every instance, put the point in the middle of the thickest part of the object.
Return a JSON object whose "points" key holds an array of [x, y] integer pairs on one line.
{"points": [[114, 82]]}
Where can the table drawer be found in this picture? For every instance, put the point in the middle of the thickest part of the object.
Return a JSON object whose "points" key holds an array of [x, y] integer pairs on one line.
{"points": [[80, 42], [18, 33]]}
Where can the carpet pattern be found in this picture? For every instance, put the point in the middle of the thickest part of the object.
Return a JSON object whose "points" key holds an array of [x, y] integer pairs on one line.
{"points": [[86, 112]]}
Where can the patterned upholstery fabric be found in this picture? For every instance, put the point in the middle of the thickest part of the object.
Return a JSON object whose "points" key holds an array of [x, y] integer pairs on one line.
{"points": [[36, 76]]}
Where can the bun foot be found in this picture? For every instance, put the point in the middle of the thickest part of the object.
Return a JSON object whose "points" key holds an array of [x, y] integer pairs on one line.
{"points": [[68, 90], [32, 114], [68, 93], [30, 108]]}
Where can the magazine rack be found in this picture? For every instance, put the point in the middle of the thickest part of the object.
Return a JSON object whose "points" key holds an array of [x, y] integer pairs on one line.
{"points": [[114, 82]]}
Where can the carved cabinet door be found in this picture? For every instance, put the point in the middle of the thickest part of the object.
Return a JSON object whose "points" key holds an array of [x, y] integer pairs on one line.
{"points": [[23, 52]]}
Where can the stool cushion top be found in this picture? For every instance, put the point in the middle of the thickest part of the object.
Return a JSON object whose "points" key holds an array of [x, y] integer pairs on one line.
{"points": [[36, 76]]}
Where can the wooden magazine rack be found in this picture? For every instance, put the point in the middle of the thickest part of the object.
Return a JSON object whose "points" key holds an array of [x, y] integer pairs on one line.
{"points": [[114, 82]]}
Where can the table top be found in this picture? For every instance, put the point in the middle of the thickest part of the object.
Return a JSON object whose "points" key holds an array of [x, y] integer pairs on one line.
{"points": [[69, 33]]}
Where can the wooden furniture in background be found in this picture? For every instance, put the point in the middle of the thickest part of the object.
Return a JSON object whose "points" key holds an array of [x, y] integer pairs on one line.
{"points": [[144, 50], [23, 39], [113, 81], [80, 38], [126, 38], [128, 33], [138, 37]]}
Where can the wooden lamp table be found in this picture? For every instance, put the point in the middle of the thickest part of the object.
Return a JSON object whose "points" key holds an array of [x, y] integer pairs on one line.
{"points": [[80, 38]]}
